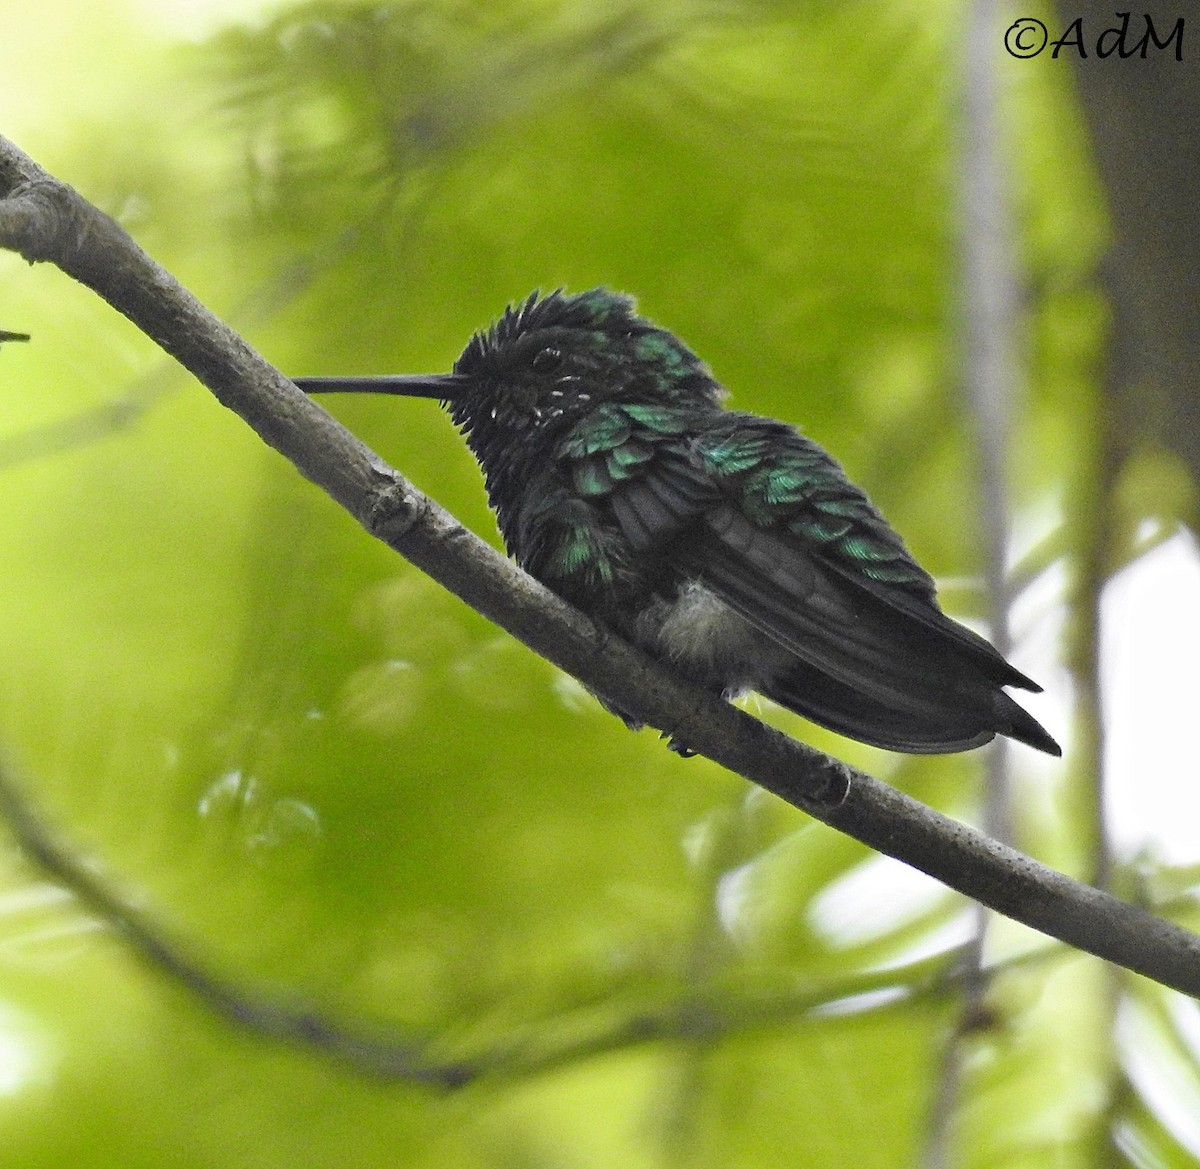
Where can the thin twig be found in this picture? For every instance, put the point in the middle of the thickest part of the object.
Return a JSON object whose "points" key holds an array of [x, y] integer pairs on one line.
{"points": [[266, 1014], [705, 1013]]}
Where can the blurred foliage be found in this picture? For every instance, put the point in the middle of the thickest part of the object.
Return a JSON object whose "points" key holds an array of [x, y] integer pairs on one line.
{"points": [[328, 778]]}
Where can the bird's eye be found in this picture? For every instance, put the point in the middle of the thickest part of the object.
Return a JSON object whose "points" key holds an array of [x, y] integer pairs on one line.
{"points": [[547, 360]]}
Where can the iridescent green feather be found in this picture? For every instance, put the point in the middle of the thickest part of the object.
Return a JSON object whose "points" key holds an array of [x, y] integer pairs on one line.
{"points": [[627, 457], [591, 477], [662, 352], [581, 552], [604, 429], [816, 528], [658, 418], [602, 305], [731, 456], [848, 506], [880, 562]]}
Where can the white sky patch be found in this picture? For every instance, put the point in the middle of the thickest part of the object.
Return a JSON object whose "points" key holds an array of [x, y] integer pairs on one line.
{"points": [[874, 899], [1036, 627], [1161, 1075], [1185, 1016], [1150, 655], [858, 1004], [22, 1052], [198, 19]]}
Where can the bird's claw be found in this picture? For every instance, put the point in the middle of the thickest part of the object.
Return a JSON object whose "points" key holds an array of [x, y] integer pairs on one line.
{"points": [[680, 748]]}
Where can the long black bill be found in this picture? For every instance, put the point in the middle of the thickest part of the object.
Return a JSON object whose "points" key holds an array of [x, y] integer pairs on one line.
{"points": [[443, 386]]}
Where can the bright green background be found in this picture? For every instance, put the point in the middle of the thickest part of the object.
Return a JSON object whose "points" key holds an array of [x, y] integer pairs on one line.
{"points": [[334, 784]]}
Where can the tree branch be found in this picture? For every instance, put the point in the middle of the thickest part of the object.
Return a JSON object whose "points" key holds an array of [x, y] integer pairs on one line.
{"points": [[44, 219], [988, 290], [706, 1012], [401, 1057]]}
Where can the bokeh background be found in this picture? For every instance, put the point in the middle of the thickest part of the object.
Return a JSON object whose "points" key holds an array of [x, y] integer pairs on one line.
{"points": [[332, 784]]}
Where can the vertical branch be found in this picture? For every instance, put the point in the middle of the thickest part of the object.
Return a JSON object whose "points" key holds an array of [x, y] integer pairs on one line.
{"points": [[990, 364], [990, 361], [1097, 550]]}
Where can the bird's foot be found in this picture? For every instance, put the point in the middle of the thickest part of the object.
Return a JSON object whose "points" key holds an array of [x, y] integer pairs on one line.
{"points": [[680, 748]]}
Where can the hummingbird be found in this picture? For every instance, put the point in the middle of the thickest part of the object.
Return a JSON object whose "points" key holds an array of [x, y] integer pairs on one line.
{"points": [[724, 543]]}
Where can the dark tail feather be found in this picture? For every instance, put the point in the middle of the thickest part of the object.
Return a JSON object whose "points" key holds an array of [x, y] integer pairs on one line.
{"points": [[954, 724], [1022, 726]]}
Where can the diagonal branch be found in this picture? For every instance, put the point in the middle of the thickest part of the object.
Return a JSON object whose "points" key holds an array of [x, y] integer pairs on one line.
{"points": [[44, 219], [704, 1014], [394, 1057]]}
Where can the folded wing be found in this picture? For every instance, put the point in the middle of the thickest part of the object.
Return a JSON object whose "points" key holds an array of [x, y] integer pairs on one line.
{"points": [[768, 522]]}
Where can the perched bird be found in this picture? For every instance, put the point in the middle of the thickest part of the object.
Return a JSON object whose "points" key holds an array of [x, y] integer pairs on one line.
{"points": [[725, 543]]}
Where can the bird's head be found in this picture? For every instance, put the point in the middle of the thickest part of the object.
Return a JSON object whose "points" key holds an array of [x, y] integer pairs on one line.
{"points": [[549, 360]]}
